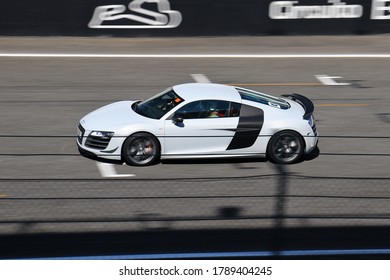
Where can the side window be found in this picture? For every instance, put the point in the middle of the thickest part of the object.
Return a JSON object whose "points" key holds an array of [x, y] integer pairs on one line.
{"points": [[209, 109], [215, 108], [234, 110], [190, 111]]}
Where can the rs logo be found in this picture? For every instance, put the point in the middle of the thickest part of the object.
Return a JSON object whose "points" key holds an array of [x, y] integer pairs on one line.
{"points": [[164, 18]]}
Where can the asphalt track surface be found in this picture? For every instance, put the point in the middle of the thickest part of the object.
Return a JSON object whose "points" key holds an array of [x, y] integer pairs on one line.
{"points": [[43, 179]]}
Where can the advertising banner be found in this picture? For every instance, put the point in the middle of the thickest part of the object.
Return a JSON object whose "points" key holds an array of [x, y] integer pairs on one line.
{"points": [[193, 17]]}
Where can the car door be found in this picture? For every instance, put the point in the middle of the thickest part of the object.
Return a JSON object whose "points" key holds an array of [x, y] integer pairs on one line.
{"points": [[207, 128]]}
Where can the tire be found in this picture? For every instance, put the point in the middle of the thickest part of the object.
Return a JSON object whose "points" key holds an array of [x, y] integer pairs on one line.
{"points": [[141, 149], [286, 147]]}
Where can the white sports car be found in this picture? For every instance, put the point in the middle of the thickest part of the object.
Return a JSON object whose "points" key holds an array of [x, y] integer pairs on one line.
{"points": [[201, 121]]}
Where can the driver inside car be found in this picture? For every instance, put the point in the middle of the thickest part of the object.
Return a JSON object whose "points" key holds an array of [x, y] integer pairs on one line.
{"points": [[214, 112]]}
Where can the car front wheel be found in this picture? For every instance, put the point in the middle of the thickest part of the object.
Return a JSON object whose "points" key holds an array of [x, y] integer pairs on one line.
{"points": [[141, 149], [286, 147]]}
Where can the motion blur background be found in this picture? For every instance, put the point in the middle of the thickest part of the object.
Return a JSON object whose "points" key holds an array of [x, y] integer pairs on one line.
{"points": [[62, 59]]}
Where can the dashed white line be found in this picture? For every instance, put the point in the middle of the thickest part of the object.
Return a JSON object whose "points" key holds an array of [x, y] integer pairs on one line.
{"points": [[330, 80], [107, 170], [200, 78]]}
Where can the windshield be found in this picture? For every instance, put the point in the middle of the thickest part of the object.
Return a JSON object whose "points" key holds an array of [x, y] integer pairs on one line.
{"points": [[259, 97], [158, 105]]}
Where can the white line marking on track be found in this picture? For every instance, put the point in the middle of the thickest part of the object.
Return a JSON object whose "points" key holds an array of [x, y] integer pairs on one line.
{"points": [[200, 78], [107, 170], [329, 80], [102, 55]]}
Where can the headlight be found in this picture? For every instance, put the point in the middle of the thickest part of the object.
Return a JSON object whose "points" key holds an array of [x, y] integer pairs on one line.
{"points": [[102, 134]]}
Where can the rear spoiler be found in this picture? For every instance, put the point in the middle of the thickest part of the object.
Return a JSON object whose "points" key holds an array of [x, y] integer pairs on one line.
{"points": [[304, 102]]}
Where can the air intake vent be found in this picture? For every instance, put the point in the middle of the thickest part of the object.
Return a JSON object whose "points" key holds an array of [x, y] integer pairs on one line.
{"points": [[314, 129], [97, 142], [80, 133]]}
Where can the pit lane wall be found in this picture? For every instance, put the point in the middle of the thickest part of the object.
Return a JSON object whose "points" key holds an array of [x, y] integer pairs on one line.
{"points": [[193, 17]]}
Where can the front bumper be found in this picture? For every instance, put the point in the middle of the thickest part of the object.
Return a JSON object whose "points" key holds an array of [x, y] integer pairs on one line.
{"points": [[87, 154], [94, 148]]}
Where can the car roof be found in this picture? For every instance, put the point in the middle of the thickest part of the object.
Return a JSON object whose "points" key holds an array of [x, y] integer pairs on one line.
{"points": [[203, 91]]}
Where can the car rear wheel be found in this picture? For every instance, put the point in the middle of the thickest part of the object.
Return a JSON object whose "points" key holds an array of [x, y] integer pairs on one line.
{"points": [[286, 147], [141, 149]]}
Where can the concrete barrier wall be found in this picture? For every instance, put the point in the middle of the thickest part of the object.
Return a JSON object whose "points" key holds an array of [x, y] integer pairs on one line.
{"points": [[193, 17]]}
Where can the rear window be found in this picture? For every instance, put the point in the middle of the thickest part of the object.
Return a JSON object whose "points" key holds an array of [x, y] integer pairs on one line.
{"points": [[262, 98]]}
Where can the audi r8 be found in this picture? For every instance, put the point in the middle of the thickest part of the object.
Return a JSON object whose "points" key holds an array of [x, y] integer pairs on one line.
{"points": [[201, 121]]}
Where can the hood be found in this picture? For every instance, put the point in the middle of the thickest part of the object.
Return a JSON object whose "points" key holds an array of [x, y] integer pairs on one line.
{"points": [[110, 116]]}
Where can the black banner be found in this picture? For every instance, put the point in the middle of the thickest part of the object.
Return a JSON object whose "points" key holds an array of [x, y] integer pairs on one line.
{"points": [[193, 17]]}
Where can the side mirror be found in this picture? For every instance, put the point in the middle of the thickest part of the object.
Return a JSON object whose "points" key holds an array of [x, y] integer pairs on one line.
{"points": [[177, 119]]}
